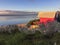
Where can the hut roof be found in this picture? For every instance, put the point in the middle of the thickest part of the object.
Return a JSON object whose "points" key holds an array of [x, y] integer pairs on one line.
{"points": [[46, 14]]}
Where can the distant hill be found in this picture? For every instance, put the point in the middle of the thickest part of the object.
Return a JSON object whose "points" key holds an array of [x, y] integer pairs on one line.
{"points": [[16, 13]]}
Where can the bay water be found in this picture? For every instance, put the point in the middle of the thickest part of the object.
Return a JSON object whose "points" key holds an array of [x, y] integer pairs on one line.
{"points": [[6, 20]]}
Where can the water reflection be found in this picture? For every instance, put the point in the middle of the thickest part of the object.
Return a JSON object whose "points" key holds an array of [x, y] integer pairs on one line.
{"points": [[5, 20]]}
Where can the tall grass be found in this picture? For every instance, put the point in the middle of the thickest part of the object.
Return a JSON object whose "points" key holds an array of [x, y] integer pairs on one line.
{"points": [[14, 35]]}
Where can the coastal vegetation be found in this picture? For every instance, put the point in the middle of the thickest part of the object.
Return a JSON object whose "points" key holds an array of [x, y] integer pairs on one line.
{"points": [[33, 22], [48, 34]]}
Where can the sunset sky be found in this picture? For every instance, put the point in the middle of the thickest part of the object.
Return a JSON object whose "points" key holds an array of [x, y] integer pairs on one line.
{"points": [[30, 5]]}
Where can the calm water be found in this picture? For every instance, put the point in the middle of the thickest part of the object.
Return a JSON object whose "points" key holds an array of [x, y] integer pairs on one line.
{"points": [[5, 20]]}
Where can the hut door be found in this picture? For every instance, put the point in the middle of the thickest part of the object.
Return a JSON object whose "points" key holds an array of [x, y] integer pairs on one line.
{"points": [[57, 17]]}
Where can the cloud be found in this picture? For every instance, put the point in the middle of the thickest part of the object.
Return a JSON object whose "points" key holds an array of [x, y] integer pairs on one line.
{"points": [[32, 0], [4, 12]]}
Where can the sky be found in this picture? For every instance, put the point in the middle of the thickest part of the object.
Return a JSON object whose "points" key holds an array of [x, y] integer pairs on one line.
{"points": [[30, 5]]}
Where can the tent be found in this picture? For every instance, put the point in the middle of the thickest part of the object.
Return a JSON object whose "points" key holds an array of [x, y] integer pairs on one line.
{"points": [[46, 16]]}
